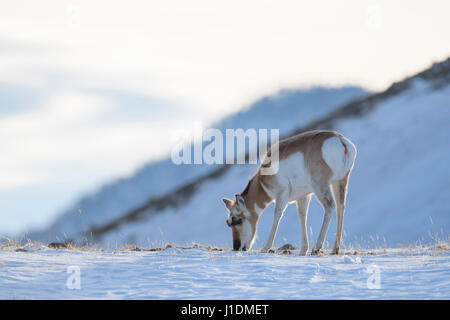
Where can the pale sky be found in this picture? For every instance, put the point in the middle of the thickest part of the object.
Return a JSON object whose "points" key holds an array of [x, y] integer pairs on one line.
{"points": [[91, 90]]}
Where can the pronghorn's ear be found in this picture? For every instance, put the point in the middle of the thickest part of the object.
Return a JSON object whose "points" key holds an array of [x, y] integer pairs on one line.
{"points": [[227, 202], [239, 200]]}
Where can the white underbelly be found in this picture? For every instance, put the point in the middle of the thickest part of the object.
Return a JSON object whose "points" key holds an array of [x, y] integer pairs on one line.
{"points": [[293, 173]]}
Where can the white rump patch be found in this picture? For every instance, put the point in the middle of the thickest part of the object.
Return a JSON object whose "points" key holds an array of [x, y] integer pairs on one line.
{"points": [[333, 152]]}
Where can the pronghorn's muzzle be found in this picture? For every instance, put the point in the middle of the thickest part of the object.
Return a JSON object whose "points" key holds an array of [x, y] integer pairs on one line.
{"points": [[236, 244]]}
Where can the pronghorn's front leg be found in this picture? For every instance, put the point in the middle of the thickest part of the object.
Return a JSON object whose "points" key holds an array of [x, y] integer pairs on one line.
{"points": [[323, 194], [281, 203], [302, 210]]}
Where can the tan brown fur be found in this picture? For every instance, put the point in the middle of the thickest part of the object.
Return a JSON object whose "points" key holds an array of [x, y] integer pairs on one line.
{"points": [[309, 142], [310, 145], [253, 195]]}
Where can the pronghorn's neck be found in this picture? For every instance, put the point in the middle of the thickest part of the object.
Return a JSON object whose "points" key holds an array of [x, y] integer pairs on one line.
{"points": [[255, 197]]}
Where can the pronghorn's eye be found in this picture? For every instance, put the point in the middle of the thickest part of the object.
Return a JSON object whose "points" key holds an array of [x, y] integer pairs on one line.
{"points": [[236, 221]]}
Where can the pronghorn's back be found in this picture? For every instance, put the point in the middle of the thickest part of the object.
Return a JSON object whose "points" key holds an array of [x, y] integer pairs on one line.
{"points": [[318, 156]]}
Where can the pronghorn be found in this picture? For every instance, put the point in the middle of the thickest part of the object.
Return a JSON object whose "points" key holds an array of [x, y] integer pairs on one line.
{"points": [[316, 162]]}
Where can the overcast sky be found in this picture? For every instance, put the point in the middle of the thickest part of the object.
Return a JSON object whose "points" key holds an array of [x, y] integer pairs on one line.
{"points": [[91, 90]]}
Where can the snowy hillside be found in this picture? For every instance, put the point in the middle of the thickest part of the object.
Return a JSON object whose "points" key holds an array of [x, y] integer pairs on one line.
{"points": [[286, 110], [397, 192]]}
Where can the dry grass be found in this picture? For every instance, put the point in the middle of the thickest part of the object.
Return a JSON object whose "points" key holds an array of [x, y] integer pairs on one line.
{"points": [[435, 249]]}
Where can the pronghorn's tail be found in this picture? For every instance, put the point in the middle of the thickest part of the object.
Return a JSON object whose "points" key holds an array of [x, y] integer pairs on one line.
{"points": [[349, 152]]}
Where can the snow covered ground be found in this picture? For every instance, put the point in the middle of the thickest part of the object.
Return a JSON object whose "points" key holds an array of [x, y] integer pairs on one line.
{"points": [[398, 195], [43, 273]]}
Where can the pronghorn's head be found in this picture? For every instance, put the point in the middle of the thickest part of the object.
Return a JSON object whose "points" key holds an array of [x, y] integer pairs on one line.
{"points": [[240, 222]]}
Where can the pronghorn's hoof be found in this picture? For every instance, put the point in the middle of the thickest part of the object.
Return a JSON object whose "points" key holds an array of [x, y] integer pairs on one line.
{"points": [[303, 251], [315, 252], [335, 251], [267, 250]]}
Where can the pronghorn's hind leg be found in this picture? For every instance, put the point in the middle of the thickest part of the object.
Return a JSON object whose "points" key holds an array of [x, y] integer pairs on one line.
{"points": [[302, 210], [340, 194], [325, 197]]}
